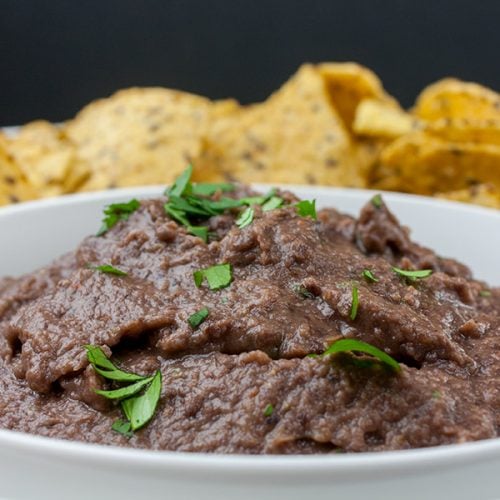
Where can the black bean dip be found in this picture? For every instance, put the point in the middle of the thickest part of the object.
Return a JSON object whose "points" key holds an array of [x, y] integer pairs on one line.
{"points": [[242, 381]]}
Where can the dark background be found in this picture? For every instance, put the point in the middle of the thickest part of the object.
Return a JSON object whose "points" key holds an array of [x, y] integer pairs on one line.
{"points": [[57, 55]]}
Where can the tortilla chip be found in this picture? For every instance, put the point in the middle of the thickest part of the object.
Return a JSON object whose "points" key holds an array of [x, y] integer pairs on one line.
{"points": [[348, 84], [376, 118], [293, 137], [47, 160], [454, 99], [13, 185], [462, 130], [486, 195], [139, 136], [424, 164]]}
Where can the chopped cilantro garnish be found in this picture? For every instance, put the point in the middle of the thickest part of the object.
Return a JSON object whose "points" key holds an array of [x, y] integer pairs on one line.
{"points": [[353, 345], [303, 291], [436, 394], [354, 303], [125, 392], [306, 208], [198, 317], [485, 293], [268, 410], [116, 212], [139, 410], [377, 201], [188, 201], [218, 276], [209, 189], [246, 218], [108, 269], [104, 367], [181, 184], [139, 399], [273, 203], [122, 427], [413, 275], [369, 276]]}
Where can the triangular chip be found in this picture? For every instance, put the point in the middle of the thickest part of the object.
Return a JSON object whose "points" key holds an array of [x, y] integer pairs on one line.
{"points": [[454, 99], [13, 185], [47, 160], [423, 164], [350, 83], [139, 136], [293, 137]]}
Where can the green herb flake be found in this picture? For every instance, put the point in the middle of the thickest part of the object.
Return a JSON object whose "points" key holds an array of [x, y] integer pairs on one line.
{"points": [[354, 303], [198, 317], [122, 427], [209, 189], [303, 291], [139, 399], [125, 392], [218, 276], [377, 201], [353, 345], [268, 410], [116, 212], [413, 275], [436, 394], [108, 269], [181, 184], [140, 409], [246, 218], [306, 208], [273, 203], [200, 231], [369, 276], [485, 293], [104, 367]]}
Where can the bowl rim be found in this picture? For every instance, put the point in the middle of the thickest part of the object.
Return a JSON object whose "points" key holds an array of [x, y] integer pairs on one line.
{"points": [[397, 460]]}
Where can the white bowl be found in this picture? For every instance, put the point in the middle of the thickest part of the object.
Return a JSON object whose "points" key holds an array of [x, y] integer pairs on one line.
{"points": [[39, 468]]}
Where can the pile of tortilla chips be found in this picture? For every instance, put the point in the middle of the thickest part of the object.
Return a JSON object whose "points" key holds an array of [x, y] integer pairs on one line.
{"points": [[330, 124]]}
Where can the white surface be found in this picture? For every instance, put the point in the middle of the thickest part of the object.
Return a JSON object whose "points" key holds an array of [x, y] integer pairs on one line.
{"points": [[34, 233]]}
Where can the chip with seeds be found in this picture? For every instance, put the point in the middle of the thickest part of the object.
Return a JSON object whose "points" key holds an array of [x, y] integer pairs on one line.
{"points": [[295, 136], [13, 185], [454, 99], [47, 160], [138, 136], [425, 164], [486, 195]]}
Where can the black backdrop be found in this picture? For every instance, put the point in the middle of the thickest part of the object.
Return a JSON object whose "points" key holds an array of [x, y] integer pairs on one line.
{"points": [[56, 55]]}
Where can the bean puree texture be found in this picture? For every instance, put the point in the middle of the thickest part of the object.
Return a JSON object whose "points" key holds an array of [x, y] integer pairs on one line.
{"points": [[242, 381]]}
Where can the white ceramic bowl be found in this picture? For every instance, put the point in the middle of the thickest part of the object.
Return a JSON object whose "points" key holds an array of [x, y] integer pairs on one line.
{"points": [[40, 468]]}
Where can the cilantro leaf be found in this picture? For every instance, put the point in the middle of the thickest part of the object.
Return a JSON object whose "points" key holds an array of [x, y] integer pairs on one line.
{"points": [[377, 201], [125, 392], [140, 409], [355, 302], [104, 367], [181, 184], [198, 317], [485, 293], [209, 189], [246, 218], [122, 427], [108, 269], [306, 208], [268, 410], [413, 275], [116, 212], [218, 276], [273, 203], [369, 276], [353, 345]]}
